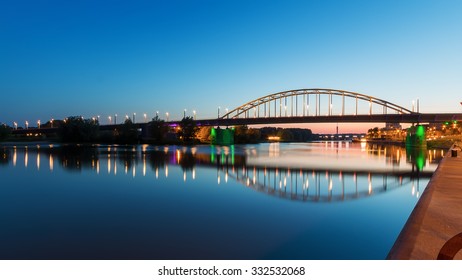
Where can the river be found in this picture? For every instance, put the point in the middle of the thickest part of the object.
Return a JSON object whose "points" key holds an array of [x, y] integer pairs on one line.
{"points": [[323, 200]]}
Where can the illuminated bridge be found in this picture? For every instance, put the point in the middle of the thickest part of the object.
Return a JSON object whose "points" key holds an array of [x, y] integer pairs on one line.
{"points": [[322, 106], [308, 106]]}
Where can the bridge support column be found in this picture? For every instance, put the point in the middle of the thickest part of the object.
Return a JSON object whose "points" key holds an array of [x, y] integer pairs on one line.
{"points": [[222, 136], [415, 136]]}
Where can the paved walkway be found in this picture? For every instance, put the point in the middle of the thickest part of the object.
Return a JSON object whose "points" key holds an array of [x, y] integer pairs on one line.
{"points": [[437, 218]]}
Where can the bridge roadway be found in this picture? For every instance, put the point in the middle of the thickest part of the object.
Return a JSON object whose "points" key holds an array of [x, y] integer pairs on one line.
{"points": [[434, 229], [374, 118]]}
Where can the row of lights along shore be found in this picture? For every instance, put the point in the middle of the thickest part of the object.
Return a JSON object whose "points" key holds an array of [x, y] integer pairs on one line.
{"points": [[113, 119]]}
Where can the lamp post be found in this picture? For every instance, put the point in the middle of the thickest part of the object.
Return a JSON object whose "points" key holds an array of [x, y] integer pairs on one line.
{"points": [[157, 114], [115, 119], [184, 113], [145, 117], [38, 123], [218, 112], [15, 124], [134, 114], [194, 114], [110, 119], [227, 113], [27, 125], [167, 116], [51, 122]]}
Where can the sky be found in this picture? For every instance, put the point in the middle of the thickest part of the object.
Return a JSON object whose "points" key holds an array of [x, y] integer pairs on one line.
{"points": [[89, 58]]}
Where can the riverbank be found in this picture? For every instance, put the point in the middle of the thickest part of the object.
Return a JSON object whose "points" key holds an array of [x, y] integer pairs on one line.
{"points": [[442, 143], [434, 229]]}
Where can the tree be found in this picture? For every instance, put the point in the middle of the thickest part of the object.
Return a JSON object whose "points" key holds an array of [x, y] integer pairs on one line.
{"points": [[5, 132], [128, 133], [240, 134], [76, 129], [373, 132], [285, 135], [157, 129], [188, 130], [204, 134]]}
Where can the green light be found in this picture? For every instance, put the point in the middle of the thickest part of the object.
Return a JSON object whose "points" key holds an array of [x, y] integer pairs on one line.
{"points": [[232, 154], [420, 162], [212, 153], [416, 136], [420, 131]]}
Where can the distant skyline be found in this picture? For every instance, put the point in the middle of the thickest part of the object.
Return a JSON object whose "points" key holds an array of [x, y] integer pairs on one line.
{"points": [[89, 58]]}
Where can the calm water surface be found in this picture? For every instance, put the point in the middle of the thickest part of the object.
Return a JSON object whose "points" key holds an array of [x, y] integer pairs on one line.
{"points": [[326, 200]]}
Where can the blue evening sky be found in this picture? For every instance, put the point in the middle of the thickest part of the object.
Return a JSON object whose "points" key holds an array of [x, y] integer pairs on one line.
{"points": [[64, 58]]}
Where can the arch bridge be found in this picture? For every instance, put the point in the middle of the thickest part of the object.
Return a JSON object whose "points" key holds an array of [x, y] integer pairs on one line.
{"points": [[319, 105]]}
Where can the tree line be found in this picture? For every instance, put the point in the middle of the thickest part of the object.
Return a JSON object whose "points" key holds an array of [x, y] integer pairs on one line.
{"points": [[75, 129]]}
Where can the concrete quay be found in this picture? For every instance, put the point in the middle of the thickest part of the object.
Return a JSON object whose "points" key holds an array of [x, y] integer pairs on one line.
{"points": [[434, 228]]}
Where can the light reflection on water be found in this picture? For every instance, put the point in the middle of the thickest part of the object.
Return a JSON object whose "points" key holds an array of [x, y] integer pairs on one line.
{"points": [[287, 184]]}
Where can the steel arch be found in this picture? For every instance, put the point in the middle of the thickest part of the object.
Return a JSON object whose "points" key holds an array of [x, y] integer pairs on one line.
{"points": [[243, 110]]}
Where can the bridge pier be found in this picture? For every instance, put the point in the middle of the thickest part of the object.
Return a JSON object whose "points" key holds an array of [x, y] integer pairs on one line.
{"points": [[221, 136], [415, 136]]}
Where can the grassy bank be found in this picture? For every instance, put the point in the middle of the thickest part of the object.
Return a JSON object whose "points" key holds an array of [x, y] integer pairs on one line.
{"points": [[443, 143]]}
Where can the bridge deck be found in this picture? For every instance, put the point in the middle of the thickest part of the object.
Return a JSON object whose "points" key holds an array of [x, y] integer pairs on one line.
{"points": [[436, 218]]}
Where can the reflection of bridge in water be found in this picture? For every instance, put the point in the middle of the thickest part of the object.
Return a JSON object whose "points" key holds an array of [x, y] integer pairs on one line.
{"points": [[320, 185], [299, 184]]}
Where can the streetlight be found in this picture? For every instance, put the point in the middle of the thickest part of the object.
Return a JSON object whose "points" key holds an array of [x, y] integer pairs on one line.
{"points": [[51, 122], [115, 119], [134, 114], [126, 117], [218, 111], [184, 113], [110, 119], [194, 113], [167, 116], [38, 123], [27, 125], [157, 114], [145, 116], [227, 112], [15, 124]]}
